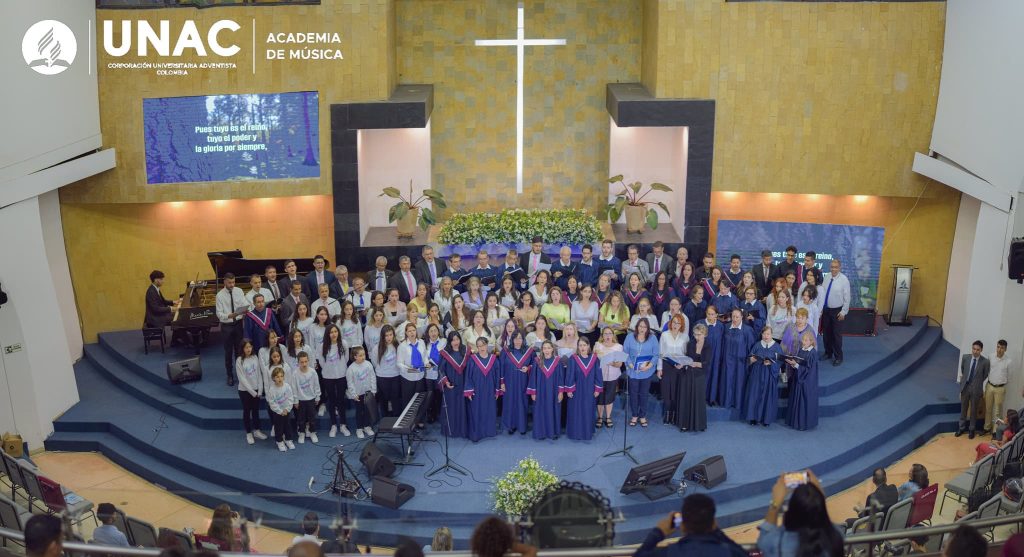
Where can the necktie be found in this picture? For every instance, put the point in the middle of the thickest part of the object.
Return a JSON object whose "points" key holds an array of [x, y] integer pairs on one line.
{"points": [[765, 274], [409, 285], [380, 281], [273, 286], [970, 375], [828, 290], [231, 295], [433, 273], [536, 260], [657, 265]]}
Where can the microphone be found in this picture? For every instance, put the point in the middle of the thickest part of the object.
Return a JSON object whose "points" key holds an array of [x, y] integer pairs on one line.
{"points": [[310, 485]]}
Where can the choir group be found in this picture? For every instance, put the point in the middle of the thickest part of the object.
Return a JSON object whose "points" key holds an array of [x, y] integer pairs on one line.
{"points": [[493, 346]]}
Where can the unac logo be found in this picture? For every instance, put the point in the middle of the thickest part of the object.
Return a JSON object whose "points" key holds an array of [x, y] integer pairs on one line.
{"points": [[49, 47]]}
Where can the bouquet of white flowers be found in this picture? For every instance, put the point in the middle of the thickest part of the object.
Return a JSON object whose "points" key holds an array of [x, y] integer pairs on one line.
{"points": [[517, 490]]}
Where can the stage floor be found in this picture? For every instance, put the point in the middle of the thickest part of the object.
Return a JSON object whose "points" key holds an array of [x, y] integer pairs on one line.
{"points": [[893, 393]]}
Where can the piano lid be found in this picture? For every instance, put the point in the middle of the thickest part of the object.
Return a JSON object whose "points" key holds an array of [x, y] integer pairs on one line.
{"points": [[231, 261]]}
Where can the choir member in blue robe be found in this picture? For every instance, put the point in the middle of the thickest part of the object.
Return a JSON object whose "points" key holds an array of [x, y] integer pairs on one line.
{"points": [[483, 387], [455, 271], [684, 283], [737, 339], [725, 302], [510, 267], [563, 268], [583, 385], [452, 382], [734, 273], [608, 263], [586, 270], [762, 402], [695, 309], [661, 292], [754, 312], [488, 275], [546, 388], [516, 365], [713, 364], [633, 292], [803, 386]]}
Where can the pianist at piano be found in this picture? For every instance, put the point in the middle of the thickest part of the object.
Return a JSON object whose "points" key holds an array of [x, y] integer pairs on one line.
{"points": [[159, 310]]}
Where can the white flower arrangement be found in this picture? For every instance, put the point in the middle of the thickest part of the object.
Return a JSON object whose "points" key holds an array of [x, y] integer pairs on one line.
{"points": [[516, 491], [519, 226]]}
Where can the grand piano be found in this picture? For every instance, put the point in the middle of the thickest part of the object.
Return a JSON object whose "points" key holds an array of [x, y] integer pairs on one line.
{"points": [[197, 313]]}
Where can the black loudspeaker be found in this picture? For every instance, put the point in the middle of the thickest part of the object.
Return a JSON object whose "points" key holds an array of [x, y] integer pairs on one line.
{"points": [[376, 463], [391, 493], [1015, 261], [708, 472], [859, 322], [3, 296], [184, 371]]}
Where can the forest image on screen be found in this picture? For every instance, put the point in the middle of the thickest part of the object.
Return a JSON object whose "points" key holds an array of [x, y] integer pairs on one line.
{"points": [[232, 137]]}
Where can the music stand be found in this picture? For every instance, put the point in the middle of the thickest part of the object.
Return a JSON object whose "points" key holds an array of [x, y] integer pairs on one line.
{"points": [[449, 464], [625, 428]]}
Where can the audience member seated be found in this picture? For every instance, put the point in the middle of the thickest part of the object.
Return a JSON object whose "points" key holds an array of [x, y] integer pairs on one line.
{"points": [[1014, 546], [44, 536], [918, 480], [342, 542], [306, 549], [806, 528], [442, 541], [310, 529], [493, 537], [408, 548], [884, 496], [106, 533], [229, 530], [966, 542], [700, 534], [1012, 422]]}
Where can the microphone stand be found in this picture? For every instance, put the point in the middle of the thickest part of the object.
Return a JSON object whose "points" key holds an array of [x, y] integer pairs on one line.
{"points": [[625, 428], [449, 464]]}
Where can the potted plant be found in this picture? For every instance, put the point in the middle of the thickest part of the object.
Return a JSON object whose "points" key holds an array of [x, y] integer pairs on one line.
{"points": [[409, 212], [632, 201], [517, 490]]}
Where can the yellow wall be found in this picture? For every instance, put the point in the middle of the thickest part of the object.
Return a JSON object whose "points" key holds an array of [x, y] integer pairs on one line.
{"points": [[566, 124], [816, 96], [113, 247], [924, 240]]}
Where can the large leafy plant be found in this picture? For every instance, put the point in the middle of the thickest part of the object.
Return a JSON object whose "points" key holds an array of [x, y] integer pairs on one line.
{"points": [[405, 204], [633, 195], [518, 226], [515, 492]]}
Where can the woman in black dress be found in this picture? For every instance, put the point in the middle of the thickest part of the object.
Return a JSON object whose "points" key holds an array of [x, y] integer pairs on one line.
{"points": [[691, 406]]}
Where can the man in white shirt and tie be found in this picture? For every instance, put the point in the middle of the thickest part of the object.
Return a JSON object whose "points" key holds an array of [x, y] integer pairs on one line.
{"points": [[256, 287], [427, 269], [380, 276], [995, 387], [403, 280], [972, 375], [325, 299], [231, 308], [834, 309]]}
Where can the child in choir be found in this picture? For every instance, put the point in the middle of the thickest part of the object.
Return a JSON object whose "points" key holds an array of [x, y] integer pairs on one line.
{"points": [[540, 333], [332, 359], [319, 328], [557, 311], [583, 385], [275, 360], [545, 388], [361, 381], [434, 343], [641, 347], [645, 311], [661, 292], [610, 374], [754, 312], [250, 387], [281, 400], [725, 302], [389, 383], [412, 365], [351, 327], [482, 388], [696, 309], [737, 339], [517, 360], [634, 291], [306, 386], [712, 365], [762, 397], [296, 344], [273, 341], [452, 382], [803, 388]]}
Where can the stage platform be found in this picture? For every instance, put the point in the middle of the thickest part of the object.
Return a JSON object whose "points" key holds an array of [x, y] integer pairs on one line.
{"points": [[893, 393]]}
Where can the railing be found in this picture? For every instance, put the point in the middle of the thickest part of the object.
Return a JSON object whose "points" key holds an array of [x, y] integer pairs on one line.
{"points": [[865, 540]]}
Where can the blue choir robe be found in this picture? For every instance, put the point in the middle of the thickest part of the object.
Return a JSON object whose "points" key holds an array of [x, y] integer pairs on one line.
{"points": [[257, 327], [507, 269], [587, 274], [633, 298], [487, 275], [695, 312], [514, 405], [762, 400], [615, 265], [546, 383], [566, 270], [660, 300], [716, 331], [732, 376], [571, 296], [759, 319], [803, 392], [583, 380], [483, 383], [455, 276], [710, 289], [725, 304], [601, 296], [452, 372], [733, 278], [681, 288]]}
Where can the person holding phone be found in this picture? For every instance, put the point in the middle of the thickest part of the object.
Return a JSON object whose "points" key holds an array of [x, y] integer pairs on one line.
{"points": [[806, 527], [701, 536]]}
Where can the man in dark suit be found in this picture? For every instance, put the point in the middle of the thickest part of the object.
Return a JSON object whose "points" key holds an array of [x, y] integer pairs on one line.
{"points": [[428, 269], [971, 376], [884, 496], [764, 273], [657, 262], [291, 275], [319, 275], [536, 257], [289, 304], [403, 280], [275, 286], [341, 286], [159, 310], [704, 271], [379, 278]]}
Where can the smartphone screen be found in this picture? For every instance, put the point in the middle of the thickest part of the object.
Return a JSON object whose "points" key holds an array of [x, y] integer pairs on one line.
{"points": [[794, 479], [677, 520]]}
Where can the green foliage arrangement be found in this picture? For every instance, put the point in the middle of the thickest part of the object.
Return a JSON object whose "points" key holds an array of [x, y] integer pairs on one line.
{"points": [[518, 226], [631, 196], [405, 204], [516, 491]]}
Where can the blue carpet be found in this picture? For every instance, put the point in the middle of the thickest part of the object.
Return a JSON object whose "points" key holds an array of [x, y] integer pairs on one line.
{"points": [[892, 394]]}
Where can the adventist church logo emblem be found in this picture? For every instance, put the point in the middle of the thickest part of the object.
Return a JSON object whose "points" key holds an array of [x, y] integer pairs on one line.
{"points": [[49, 47]]}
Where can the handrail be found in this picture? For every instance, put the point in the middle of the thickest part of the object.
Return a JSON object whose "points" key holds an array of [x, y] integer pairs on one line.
{"points": [[618, 551]]}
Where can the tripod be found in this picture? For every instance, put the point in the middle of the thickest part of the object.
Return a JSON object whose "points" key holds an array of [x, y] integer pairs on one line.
{"points": [[449, 464], [625, 429], [341, 484]]}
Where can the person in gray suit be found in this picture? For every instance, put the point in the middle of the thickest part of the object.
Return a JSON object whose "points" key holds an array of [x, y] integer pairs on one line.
{"points": [[971, 376], [657, 262]]}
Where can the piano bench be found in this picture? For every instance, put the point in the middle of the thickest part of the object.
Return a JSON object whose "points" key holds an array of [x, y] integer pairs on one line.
{"points": [[153, 334]]}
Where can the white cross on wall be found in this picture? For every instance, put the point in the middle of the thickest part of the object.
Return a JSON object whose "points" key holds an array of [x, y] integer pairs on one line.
{"points": [[519, 42]]}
